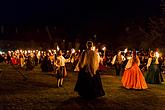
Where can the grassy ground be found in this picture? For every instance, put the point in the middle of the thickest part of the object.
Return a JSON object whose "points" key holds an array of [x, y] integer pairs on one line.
{"points": [[39, 92]]}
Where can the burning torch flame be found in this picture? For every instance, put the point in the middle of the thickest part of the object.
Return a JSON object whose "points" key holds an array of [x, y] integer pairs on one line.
{"points": [[73, 51], [103, 48], [157, 54], [93, 48], [126, 50], [58, 48], [49, 50]]}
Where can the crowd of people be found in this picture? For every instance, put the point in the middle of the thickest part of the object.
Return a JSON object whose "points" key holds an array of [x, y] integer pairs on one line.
{"points": [[137, 68]]}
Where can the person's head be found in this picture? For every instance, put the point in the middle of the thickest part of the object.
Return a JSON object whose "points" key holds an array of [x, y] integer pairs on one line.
{"points": [[156, 50], [152, 54], [119, 52], [89, 44], [134, 53]]}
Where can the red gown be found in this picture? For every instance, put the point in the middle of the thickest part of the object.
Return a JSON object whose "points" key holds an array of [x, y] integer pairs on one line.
{"points": [[14, 61], [133, 78]]}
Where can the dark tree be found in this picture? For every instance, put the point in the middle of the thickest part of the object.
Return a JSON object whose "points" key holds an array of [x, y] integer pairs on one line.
{"points": [[154, 34]]}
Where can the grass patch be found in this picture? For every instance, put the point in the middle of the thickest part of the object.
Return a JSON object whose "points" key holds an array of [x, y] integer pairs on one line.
{"points": [[39, 92]]}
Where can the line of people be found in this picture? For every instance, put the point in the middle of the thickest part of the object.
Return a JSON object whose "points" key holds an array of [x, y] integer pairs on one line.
{"points": [[89, 84], [132, 75]]}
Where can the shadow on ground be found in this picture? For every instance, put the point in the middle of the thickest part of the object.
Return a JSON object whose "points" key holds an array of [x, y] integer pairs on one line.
{"points": [[79, 103]]}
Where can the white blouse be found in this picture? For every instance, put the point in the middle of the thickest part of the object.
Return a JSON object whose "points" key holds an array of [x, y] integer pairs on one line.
{"points": [[90, 59], [61, 61], [114, 59], [129, 63]]}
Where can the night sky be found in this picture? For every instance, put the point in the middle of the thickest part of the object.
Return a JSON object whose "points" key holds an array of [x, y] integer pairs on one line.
{"points": [[76, 16]]}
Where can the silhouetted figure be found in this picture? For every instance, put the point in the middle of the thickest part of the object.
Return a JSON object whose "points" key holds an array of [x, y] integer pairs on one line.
{"points": [[30, 63], [89, 83]]}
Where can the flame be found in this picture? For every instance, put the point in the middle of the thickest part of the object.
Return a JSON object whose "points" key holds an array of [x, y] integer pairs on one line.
{"points": [[104, 48], [73, 51], [93, 48], [49, 50], [157, 54], [58, 48], [126, 50]]}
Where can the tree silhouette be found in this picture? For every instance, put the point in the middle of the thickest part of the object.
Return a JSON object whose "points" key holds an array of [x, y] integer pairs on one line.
{"points": [[154, 34]]}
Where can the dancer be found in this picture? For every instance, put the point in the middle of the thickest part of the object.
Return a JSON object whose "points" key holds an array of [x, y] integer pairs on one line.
{"points": [[61, 70], [153, 74], [133, 77], [118, 62]]}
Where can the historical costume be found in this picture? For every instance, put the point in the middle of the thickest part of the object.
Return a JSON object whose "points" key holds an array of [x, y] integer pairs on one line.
{"points": [[101, 65], [1, 58], [61, 69], [153, 74], [133, 77], [50, 62], [46, 64], [8, 58], [118, 62], [22, 60], [36, 60], [89, 83], [30, 62], [14, 60]]}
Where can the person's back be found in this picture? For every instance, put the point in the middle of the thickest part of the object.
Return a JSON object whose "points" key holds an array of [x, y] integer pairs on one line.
{"points": [[89, 82], [133, 77]]}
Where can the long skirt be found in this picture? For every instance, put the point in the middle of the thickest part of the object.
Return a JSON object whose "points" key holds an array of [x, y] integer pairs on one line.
{"points": [[153, 75], [87, 86], [133, 78]]}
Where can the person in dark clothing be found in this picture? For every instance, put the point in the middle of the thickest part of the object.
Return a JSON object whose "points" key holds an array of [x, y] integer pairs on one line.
{"points": [[30, 63], [118, 62], [89, 85]]}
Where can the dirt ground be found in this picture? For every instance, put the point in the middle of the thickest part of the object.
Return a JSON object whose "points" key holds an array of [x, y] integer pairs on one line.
{"points": [[39, 92]]}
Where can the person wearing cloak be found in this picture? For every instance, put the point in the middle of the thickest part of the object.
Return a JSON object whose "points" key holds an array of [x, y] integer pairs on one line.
{"points": [[89, 83]]}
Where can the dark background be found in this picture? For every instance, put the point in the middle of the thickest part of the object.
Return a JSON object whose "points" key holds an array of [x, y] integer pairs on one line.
{"points": [[73, 18]]}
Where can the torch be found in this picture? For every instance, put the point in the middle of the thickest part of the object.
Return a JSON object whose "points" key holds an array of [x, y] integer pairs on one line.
{"points": [[71, 58], [104, 49], [126, 50], [72, 52], [157, 54], [93, 48], [58, 48]]}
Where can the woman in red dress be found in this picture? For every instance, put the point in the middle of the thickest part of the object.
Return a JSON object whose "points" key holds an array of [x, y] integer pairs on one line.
{"points": [[133, 77]]}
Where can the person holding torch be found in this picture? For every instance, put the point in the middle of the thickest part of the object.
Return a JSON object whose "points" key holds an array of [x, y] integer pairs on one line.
{"points": [[117, 61], [153, 74], [61, 68]]}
